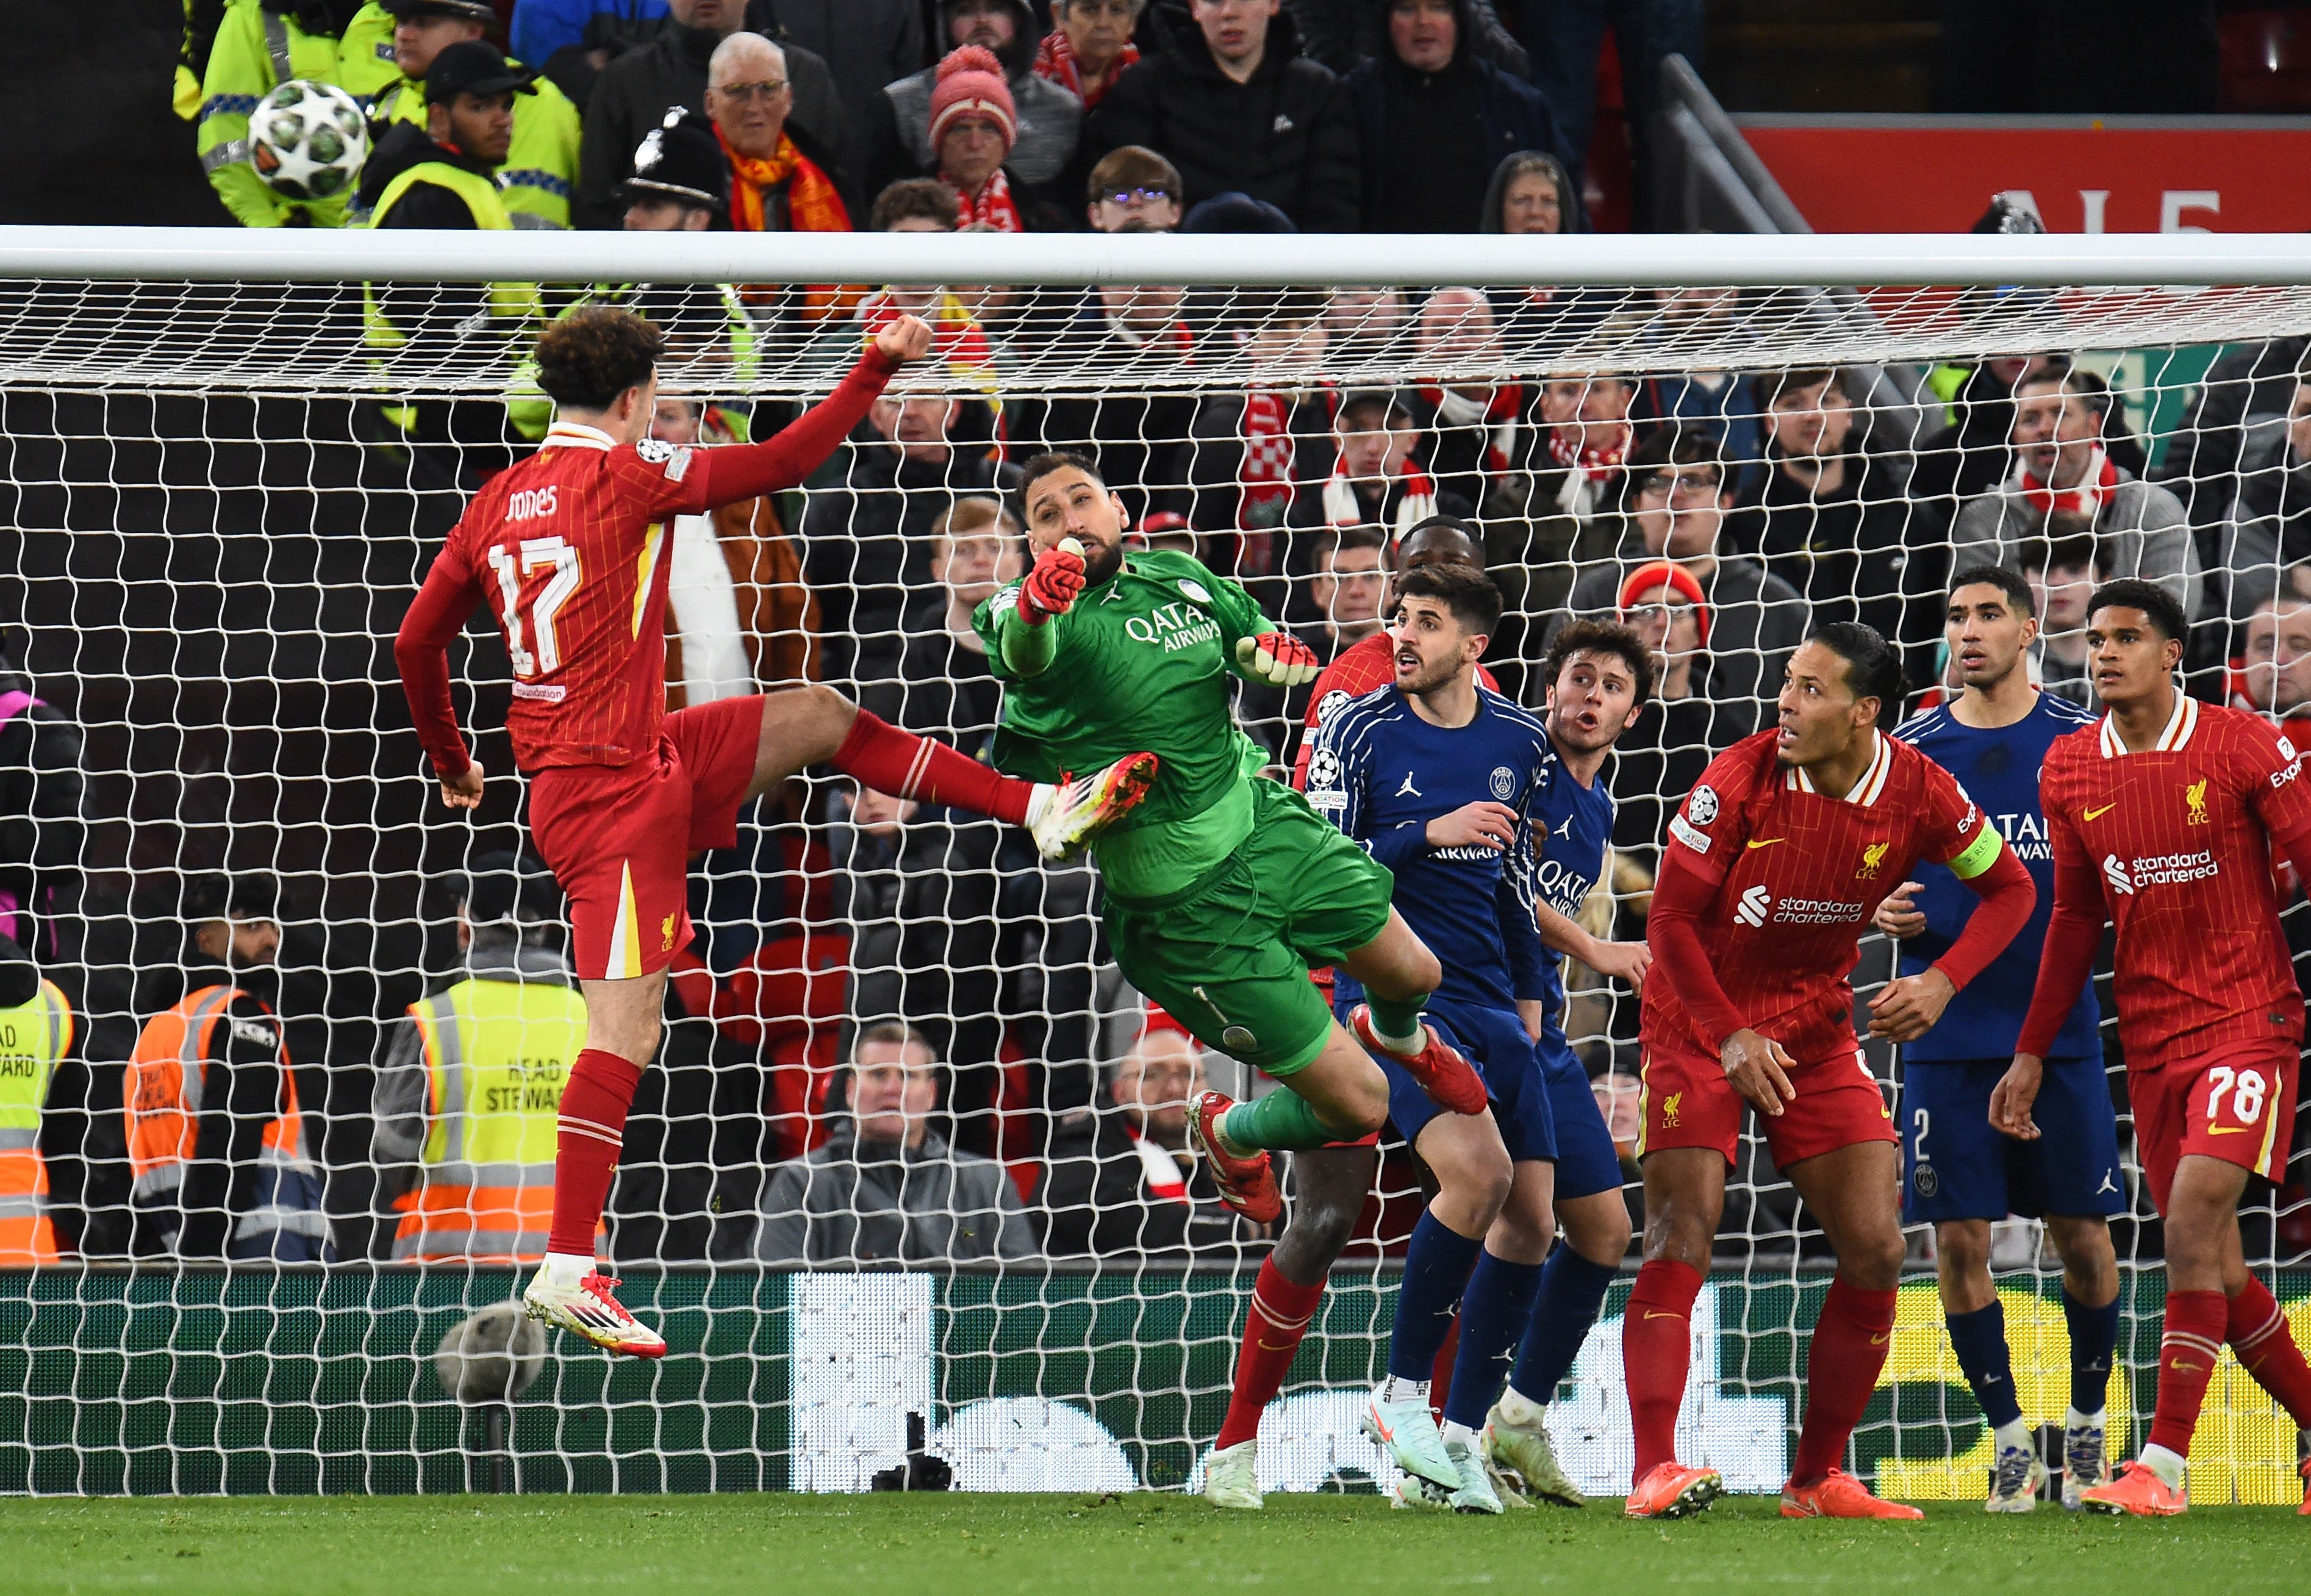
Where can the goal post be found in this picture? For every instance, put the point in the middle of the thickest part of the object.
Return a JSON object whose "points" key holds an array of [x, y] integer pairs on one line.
{"points": [[224, 485]]}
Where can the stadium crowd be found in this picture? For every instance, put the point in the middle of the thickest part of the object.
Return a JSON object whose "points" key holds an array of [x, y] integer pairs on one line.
{"points": [[896, 1037]]}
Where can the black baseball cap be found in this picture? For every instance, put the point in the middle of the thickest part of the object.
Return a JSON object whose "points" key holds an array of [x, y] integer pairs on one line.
{"points": [[511, 886], [479, 10], [471, 66]]}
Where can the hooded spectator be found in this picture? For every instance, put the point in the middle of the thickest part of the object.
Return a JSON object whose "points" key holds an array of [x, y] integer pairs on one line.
{"points": [[887, 1188], [1530, 192], [1122, 1179], [1047, 120], [2063, 467], [1345, 34], [1675, 507], [1830, 516], [1230, 99], [974, 126], [635, 90], [780, 181], [1435, 120], [1088, 47]]}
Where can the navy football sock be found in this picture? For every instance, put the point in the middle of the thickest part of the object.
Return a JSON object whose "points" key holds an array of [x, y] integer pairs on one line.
{"points": [[1572, 1292], [1493, 1314], [1979, 1340], [2094, 1339], [1437, 1265]]}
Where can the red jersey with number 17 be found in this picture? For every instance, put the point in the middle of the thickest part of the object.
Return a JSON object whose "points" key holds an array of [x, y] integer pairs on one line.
{"points": [[1798, 872], [569, 548], [2179, 839]]}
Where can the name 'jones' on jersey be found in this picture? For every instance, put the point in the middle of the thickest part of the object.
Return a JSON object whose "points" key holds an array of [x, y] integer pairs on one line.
{"points": [[567, 548]]}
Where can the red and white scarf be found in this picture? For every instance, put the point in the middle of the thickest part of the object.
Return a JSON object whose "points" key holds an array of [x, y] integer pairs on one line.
{"points": [[2098, 483], [1269, 448], [1056, 61], [1342, 507], [1595, 461], [1499, 415], [1166, 1181], [992, 206]]}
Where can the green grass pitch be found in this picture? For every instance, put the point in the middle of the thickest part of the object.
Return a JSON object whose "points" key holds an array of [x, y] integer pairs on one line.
{"points": [[855, 1545]]}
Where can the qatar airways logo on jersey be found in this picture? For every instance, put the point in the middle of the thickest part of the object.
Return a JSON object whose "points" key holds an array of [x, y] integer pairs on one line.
{"points": [[1173, 627], [1758, 907], [1565, 890], [2025, 835], [2158, 870]]}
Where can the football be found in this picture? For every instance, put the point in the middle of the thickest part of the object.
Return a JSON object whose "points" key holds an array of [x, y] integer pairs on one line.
{"points": [[308, 140]]}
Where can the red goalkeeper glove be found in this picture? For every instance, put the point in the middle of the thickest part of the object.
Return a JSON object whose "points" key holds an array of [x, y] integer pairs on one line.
{"points": [[1052, 586], [1278, 659]]}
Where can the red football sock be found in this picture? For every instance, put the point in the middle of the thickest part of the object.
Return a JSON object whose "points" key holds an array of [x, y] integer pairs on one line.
{"points": [[1278, 1319], [906, 766], [590, 1128], [1440, 1371], [1851, 1339], [2193, 1336], [1656, 1346], [2257, 1332]]}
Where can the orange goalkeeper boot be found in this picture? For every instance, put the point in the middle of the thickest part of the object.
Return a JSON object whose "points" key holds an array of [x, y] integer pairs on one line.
{"points": [[2138, 1490], [1672, 1491], [1247, 1183], [1837, 1494], [1451, 1081]]}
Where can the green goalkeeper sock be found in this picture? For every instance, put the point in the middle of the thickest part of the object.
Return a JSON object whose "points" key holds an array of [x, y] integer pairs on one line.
{"points": [[1282, 1121], [1397, 1022]]}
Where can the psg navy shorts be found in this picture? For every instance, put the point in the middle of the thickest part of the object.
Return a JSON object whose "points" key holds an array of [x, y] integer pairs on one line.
{"points": [[1586, 1162], [1956, 1166], [1494, 1039]]}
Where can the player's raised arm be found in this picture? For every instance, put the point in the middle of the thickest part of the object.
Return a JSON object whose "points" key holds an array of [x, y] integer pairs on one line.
{"points": [[421, 653], [735, 473]]}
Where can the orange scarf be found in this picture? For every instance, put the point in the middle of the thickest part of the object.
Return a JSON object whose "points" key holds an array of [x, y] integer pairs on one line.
{"points": [[813, 205]]}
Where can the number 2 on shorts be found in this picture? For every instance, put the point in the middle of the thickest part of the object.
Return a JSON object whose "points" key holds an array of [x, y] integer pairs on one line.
{"points": [[537, 552]]}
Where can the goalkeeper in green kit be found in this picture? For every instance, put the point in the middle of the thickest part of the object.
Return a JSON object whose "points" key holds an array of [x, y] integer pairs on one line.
{"points": [[1223, 889]]}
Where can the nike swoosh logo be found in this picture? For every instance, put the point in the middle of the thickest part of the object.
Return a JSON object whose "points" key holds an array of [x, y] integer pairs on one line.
{"points": [[1650, 1314], [1769, 843], [2096, 814], [2229, 1130], [1881, 1341], [1278, 1346]]}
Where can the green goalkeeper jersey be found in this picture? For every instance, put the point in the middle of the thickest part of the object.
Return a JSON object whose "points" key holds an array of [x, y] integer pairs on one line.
{"points": [[1141, 661]]}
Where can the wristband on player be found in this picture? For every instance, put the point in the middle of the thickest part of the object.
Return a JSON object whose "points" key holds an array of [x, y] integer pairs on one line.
{"points": [[1052, 586], [1277, 658]]}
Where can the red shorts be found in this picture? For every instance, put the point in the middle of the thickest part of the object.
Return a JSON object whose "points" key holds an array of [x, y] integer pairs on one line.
{"points": [[1688, 1102], [2235, 1103], [618, 838]]}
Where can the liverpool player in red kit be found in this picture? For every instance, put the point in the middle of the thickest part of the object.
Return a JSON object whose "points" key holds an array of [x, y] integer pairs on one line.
{"points": [[1771, 868], [2164, 818], [568, 549]]}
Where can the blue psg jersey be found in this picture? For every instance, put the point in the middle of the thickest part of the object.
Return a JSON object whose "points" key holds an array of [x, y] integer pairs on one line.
{"points": [[1998, 770], [1381, 773], [1571, 825]]}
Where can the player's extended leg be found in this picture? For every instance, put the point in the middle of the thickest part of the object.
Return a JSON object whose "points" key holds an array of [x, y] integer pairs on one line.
{"points": [[1496, 1309], [2211, 1297], [810, 725], [1684, 1199], [1329, 1187], [1572, 1292], [1399, 975], [1473, 1176], [2090, 1312], [621, 1035], [1854, 1192]]}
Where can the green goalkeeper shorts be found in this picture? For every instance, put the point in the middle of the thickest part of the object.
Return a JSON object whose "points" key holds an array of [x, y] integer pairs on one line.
{"points": [[1229, 954]]}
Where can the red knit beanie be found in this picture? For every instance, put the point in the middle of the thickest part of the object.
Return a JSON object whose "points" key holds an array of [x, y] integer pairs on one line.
{"points": [[1669, 574], [1159, 1019], [971, 84]]}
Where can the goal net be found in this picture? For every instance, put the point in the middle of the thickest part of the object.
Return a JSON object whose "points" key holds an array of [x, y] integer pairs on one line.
{"points": [[230, 458]]}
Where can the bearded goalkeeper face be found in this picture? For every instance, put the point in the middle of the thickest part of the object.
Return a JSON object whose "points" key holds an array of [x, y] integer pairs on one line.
{"points": [[1068, 501]]}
